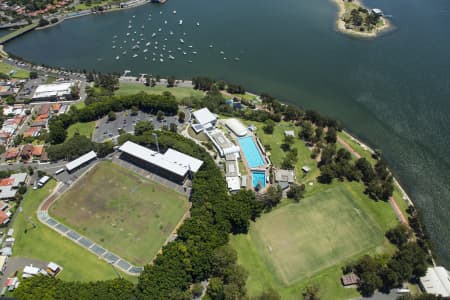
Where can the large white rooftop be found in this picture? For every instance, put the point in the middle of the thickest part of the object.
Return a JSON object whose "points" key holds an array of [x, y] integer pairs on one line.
{"points": [[80, 160], [233, 183], [436, 281], [180, 158], [53, 90], [173, 161], [236, 126], [204, 116]]}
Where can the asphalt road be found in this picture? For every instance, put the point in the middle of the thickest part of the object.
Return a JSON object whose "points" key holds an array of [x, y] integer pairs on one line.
{"points": [[17, 264]]}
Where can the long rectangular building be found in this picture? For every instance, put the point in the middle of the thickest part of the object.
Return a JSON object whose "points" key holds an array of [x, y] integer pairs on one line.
{"points": [[75, 164], [173, 165]]}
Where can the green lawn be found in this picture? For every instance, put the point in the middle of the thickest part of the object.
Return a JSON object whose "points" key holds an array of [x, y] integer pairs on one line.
{"points": [[122, 211], [398, 195], [19, 73], [17, 32], [86, 129], [79, 105], [50, 79], [277, 154], [178, 92], [45, 244], [297, 244], [200, 136], [83, 6]]}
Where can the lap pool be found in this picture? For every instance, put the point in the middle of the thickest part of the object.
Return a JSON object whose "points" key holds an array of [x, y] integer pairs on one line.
{"points": [[251, 152]]}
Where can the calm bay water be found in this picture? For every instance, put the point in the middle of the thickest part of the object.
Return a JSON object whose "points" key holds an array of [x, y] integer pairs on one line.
{"points": [[393, 92]]}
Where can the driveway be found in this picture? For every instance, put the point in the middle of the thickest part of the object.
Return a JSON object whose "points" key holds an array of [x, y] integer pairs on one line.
{"points": [[17, 264]]}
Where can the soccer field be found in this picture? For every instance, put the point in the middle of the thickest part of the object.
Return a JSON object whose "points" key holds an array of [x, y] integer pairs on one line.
{"points": [[296, 242], [122, 211]]}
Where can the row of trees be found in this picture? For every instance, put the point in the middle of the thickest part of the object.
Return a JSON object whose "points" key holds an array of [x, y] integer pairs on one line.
{"points": [[109, 82], [77, 146], [165, 103], [199, 252], [338, 164], [407, 264], [206, 84]]}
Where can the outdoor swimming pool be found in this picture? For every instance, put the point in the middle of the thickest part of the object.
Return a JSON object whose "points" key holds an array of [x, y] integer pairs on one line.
{"points": [[251, 152], [259, 177]]}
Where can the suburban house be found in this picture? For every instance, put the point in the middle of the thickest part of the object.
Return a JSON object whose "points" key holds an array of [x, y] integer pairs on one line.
{"points": [[284, 177], [9, 186], [350, 279]]}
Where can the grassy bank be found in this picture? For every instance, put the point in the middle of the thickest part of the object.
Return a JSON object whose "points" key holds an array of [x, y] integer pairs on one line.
{"points": [[86, 129], [18, 73], [178, 92], [45, 244]]}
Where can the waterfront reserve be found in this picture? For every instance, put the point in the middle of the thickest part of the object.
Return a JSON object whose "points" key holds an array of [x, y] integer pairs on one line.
{"points": [[153, 153]]}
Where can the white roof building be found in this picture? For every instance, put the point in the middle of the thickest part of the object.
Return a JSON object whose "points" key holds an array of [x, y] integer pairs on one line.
{"points": [[19, 178], [172, 161], [3, 259], [204, 117], [43, 180], [9, 186], [233, 183], [436, 281], [377, 11], [81, 160], [236, 126], [53, 90], [31, 270], [289, 133], [190, 162]]}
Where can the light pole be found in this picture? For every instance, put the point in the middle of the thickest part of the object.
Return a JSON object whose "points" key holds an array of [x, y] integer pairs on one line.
{"points": [[156, 140]]}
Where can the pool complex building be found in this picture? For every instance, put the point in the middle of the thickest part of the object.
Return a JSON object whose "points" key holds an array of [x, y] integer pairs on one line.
{"points": [[254, 160]]}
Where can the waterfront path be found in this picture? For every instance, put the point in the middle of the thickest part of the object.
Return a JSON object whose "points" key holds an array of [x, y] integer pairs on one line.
{"points": [[111, 258], [392, 201]]}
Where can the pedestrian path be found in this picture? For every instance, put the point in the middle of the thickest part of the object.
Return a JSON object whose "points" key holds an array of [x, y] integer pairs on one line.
{"points": [[398, 212], [81, 240]]}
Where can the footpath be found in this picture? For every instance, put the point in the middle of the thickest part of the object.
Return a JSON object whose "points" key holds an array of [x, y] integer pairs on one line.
{"points": [[392, 201], [102, 253]]}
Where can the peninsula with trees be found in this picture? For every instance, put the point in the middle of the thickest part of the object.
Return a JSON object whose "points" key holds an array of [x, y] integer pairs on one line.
{"points": [[357, 20]]}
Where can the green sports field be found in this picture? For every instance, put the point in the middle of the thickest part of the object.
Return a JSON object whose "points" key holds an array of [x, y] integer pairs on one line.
{"points": [[126, 213], [43, 243], [310, 240]]}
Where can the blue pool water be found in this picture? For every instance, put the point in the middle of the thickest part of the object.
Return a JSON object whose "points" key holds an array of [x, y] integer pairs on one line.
{"points": [[259, 177], [251, 153]]}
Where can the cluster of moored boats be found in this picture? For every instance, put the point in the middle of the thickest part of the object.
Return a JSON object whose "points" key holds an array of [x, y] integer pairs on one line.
{"points": [[159, 46]]}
